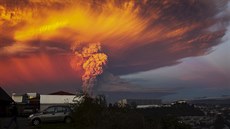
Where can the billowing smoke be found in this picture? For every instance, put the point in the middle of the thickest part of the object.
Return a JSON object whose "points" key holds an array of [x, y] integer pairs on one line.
{"points": [[92, 61], [138, 35]]}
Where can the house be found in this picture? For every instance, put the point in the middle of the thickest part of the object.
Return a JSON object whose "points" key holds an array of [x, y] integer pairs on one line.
{"points": [[57, 98], [5, 101], [27, 103], [61, 93], [17, 98], [31, 102]]}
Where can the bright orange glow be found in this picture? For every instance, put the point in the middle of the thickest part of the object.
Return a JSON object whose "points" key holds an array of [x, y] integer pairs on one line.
{"points": [[36, 69], [82, 19], [136, 35], [113, 25], [92, 61]]}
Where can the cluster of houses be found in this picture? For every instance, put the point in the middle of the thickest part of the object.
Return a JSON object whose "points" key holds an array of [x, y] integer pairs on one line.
{"points": [[33, 102], [29, 103]]}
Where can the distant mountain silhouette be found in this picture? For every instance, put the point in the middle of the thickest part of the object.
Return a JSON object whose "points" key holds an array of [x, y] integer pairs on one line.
{"points": [[213, 101]]}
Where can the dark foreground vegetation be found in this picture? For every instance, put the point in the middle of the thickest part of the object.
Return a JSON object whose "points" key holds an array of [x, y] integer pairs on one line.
{"points": [[95, 114]]}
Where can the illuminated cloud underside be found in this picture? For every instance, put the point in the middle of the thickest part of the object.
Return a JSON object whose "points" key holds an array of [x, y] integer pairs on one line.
{"points": [[136, 35]]}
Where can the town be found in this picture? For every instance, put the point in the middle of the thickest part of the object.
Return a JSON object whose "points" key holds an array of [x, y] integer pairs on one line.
{"points": [[195, 114]]}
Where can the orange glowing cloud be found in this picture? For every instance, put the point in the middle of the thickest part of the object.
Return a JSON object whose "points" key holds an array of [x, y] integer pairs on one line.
{"points": [[36, 69], [92, 60], [136, 35]]}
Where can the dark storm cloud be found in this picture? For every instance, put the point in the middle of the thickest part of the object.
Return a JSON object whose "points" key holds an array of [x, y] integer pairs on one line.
{"points": [[115, 88], [174, 16], [166, 53]]}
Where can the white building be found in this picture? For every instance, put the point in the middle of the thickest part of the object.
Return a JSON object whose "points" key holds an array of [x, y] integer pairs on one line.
{"points": [[140, 103], [44, 101], [49, 100], [17, 98]]}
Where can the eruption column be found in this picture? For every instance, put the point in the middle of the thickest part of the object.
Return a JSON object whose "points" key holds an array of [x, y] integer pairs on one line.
{"points": [[92, 61]]}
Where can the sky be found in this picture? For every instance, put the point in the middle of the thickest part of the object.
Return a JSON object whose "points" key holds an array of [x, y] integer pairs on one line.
{"points": [[155, 49]]}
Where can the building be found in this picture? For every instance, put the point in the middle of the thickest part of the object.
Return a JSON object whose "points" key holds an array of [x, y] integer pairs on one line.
{"points": [[57, 98], [61, 93], [140, 103], [27, 103], [32, 102], [5, 101], [17, 98]]}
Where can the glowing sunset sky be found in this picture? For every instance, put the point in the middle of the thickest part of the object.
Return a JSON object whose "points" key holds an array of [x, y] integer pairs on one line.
{"points": [[166, 48]]}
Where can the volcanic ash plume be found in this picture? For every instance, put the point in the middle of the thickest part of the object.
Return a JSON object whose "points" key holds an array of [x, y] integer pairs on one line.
{"points": [[92, 60]]}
